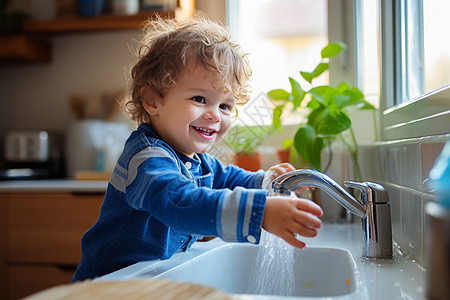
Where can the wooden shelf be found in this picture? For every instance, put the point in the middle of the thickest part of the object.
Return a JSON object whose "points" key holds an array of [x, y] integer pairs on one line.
{"points": [[27, 48], [100, 23], [22, 48]]}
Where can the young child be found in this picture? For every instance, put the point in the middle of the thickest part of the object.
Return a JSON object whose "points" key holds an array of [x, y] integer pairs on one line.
{"points": [[166, 190]]}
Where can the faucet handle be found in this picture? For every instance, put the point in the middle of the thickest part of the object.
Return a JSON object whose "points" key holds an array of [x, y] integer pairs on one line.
{"points": [[371, 192]]}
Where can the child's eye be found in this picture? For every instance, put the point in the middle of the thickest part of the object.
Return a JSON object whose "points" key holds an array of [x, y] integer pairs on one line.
{"points": [[199, 99], [226, 107]]}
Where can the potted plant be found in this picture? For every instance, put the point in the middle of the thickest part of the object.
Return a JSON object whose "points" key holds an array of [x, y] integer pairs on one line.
{"points": [[243, 140], [324, 110]]}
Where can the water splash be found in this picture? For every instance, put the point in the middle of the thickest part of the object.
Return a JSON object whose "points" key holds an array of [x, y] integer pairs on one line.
{"points": [[273, 271]]}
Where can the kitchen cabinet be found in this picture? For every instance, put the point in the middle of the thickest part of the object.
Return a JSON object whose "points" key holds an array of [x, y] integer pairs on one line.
{"points": [[41, 238], [3, 205]]}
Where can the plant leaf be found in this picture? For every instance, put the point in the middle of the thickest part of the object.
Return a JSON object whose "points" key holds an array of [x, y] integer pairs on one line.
{"points": [[367, 106], [276, 118], [332, 49], [340, 100], [322, 93], [318, 70], [309, 145], [322, 67], [287, 143], [343, 86], [278, 94], [307, 76], [317, 116], [313, 104], [297, 92], [335, 124], [329, 122]]}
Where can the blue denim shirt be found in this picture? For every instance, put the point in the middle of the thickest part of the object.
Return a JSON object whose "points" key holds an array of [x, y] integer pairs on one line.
{"points": [[158, 201]]}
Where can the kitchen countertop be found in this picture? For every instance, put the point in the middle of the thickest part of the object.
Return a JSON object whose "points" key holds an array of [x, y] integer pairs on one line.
{"points": [[398, 278], [53, 186]]}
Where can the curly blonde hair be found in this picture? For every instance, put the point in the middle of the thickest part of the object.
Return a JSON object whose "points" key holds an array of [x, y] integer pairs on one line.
{"points": [[167, 48]]}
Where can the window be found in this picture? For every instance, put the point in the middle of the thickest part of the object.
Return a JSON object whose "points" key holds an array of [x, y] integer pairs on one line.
{"points": [[424, 46], [399, 53], [415, 64], [370, 67], [282, 37]]}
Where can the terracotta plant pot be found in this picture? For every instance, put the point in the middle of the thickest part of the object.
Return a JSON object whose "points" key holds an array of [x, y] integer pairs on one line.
{"points": [[247, 161], [284, 155]]}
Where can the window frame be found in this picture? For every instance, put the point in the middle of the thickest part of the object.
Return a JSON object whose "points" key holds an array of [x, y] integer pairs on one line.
{"points": [[423, 116]]}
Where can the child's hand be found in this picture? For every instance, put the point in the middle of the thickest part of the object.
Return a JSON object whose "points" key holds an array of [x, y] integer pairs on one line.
{"points": [[278, 170], [287, 216]]}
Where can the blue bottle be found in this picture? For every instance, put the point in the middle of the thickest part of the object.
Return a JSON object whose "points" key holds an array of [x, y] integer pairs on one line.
{"points": [[438, 230], [91, 8], [440, 177]]}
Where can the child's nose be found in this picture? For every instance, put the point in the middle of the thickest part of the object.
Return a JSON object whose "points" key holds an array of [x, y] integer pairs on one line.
{"points": [[213, 114]]}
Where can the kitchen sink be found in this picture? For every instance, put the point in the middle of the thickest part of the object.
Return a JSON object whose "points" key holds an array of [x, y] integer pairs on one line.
{"points": [[259, 270]]}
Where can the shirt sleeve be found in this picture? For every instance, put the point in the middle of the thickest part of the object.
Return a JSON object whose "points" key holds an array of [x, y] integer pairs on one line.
{"points": [[155, 183]]}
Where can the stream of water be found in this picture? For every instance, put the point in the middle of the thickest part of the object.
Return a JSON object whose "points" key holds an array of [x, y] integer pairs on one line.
{"points": [[273, 271]]}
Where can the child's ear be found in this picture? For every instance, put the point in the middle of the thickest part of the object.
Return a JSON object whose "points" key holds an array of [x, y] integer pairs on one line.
{"points": [[149, 100]]}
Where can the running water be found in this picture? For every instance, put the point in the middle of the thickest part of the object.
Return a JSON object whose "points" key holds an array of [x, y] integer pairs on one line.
{"points": [[273, 271]]}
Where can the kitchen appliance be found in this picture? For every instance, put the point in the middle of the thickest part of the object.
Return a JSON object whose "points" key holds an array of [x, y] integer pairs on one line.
{"points": [[94, 145], [30, 154]]}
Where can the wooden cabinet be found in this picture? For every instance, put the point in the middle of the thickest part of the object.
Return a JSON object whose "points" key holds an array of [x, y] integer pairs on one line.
{"points": [[3, 283], [100, 23], [42, 238]]}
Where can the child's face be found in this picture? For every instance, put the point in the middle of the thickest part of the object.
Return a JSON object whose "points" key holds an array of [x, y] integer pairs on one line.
{"points": [[193, 115]]}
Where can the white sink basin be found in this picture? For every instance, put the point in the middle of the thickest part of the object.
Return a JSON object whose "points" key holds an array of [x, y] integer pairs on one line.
{"points": [[242, 269], [318, 272]]}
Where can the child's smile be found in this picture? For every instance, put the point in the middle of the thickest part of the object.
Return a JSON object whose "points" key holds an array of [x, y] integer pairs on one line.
{"points": [[205, 132], [193, 115]]}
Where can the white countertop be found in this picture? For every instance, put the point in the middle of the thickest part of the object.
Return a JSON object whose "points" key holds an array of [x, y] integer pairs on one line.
{"points": [[397, 278], [53, 186]]}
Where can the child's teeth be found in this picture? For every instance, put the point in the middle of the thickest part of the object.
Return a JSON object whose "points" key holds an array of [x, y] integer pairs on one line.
{"points": [[204, 129]]}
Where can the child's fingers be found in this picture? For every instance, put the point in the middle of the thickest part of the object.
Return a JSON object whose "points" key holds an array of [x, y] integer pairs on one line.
{"points": [[290, 238], [309, 206], [307, 220], [288, 167], [304, 230], [281, 169], [301, 189]]}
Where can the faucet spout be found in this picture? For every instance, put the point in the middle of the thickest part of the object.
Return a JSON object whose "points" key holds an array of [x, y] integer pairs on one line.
{"points": [[374, 210], [291, 181]]}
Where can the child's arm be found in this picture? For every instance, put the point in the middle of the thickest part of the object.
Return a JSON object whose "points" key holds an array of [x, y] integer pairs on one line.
{"points": [[287, 216]]}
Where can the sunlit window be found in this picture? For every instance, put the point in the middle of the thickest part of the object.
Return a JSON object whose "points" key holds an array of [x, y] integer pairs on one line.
{"points": [[425, 47], [283, 37], [370, 67], [415, 63], [436, 43]]}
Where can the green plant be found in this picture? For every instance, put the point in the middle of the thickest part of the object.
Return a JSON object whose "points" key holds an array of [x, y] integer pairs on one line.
{"points": [[244, 139], [325, 113]]}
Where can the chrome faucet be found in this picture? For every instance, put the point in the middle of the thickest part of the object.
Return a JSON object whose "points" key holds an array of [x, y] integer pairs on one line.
{"points": [[374, 210]]}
